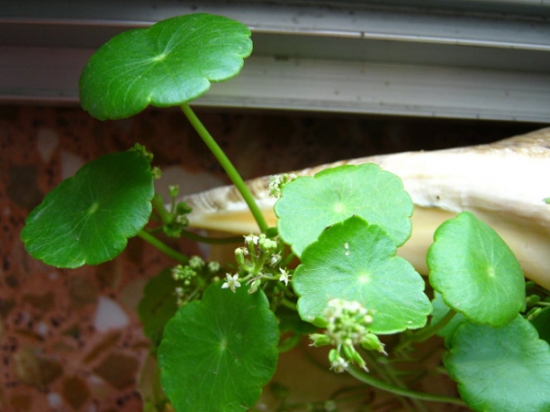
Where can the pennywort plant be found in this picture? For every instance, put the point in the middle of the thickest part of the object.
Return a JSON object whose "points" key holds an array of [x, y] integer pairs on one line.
{"points": [[328, 272]]}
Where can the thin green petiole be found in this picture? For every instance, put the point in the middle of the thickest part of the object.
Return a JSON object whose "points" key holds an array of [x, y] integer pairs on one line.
{"points": [[389, 377], [163, 247], [288, 304], [227, 166], [369, 380], [158, 205], [427, 332]]}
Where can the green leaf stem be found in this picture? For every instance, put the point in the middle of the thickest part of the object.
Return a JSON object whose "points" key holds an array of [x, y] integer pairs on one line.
{"points": [[168, 64], [217, 353], [356, 261], [439, 312], [229, 168], [475, 271], [88, 218]]}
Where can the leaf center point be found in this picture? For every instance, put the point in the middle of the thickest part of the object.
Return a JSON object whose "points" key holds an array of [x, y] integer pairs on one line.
{"points": [[364, 278], [160, 57], [93, 208], [223, 344], [339, 208]]}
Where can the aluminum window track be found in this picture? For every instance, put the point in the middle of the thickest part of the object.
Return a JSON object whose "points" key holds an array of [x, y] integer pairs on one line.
{"points": [[483, 59]]}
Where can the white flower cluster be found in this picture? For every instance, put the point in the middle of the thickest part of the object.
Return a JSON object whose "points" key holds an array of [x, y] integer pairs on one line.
{"points": [[346, 325], [347, 321], [258, 260], [186, 276], [277, 182]]}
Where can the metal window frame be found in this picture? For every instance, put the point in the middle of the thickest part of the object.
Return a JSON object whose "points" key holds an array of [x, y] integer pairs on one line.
{"points": [[486, 59]]}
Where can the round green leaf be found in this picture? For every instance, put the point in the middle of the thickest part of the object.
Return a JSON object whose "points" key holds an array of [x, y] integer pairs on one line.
{"points": [[309, 204], [167, 64], [356, 261], [88, 218], [158, 305], [501, 369], [217, 354], [475, 271]]}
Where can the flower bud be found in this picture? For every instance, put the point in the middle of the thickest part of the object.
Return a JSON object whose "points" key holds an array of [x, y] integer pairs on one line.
{"points": [[371, 342], [353, 356], [213, 267], [156, 172], [196, 263], [239, 256], [318, 339], [337, 363], [268, 245], [183, 208], [177, 272], [173, 190], [533, 300], [254, 286]]}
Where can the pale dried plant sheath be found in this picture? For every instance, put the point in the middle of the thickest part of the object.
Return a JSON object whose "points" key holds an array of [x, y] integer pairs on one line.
{"points": [[504, 184]]}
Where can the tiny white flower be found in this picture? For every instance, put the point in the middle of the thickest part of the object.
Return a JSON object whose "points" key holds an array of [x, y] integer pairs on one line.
{"points": [[275, 258], [285, 276], [368, 319], [251, 239], [275, 186], [255, 285], [339, 365], [232, 282]]}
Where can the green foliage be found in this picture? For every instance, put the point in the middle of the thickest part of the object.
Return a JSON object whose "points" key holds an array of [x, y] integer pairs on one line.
{"points": [[88, 218], [355, 261], [168, 64], [217, 354], [291, 328], [501, 369], [333, 195], [541, 321], [158, 305], [475, 271], [218, 343]]}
